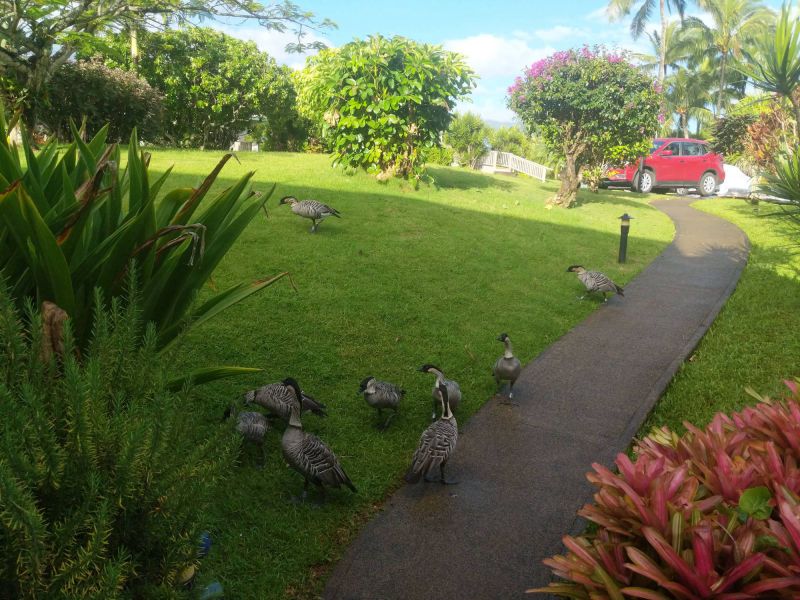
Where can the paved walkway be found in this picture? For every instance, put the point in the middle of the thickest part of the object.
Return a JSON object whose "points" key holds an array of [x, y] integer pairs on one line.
{"points": [[522, 468]]}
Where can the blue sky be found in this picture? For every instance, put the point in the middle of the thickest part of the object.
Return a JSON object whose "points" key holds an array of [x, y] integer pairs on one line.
{"points": [[498, 39]]}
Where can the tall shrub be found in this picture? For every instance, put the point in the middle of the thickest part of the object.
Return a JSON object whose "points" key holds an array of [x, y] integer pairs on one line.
{"points": [[384, 102], [215, 87], [102, 95], [73, 221], [103, 479], [587, 105]]}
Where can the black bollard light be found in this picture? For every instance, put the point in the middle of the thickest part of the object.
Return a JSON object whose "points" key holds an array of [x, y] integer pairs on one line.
{"points": [[623, 236]]}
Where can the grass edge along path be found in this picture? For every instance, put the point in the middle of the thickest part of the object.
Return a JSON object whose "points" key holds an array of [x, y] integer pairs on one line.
{"points": [[753, 342]]}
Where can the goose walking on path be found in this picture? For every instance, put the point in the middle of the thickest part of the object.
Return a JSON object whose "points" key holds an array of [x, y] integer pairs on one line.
{"points": [[435, 445], [310, 209], [278, 398], [309, 456], [252, 426], [380, 395], [453, 389], [507, 367], [595, 281]]}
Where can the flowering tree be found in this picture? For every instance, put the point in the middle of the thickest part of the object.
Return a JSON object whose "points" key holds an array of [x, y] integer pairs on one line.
{"points": [[589, 105]]}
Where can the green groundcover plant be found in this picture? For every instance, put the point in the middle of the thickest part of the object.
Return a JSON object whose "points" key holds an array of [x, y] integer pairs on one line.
{"points": [[102, 481], [714, 513], [74, 220]]}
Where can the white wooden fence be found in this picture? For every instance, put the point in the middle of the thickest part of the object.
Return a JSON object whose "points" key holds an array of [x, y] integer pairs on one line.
{"points": [[494, 159]]}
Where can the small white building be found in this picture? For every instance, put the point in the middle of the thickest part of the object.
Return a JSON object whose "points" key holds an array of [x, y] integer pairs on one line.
{"points": [[242, 145]]}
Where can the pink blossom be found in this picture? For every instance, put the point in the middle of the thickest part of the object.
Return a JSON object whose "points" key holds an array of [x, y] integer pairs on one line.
{"points": [[661, 118]]}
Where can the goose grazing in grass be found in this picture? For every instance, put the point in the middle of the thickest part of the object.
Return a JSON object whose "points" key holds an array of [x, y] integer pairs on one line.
{"points": [[594, 281], [252, 426], [278, 398], [507, 367], [453, 389], [380, 395], [310, 209], [309, 456], [435, 445]]}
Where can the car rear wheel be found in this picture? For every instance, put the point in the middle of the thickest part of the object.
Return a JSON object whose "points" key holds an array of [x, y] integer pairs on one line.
{"points": [[644, 182], [708, 184]]}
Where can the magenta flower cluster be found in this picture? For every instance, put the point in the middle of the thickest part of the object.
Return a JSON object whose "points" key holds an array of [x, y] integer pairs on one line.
{"points": [[542, 69]]}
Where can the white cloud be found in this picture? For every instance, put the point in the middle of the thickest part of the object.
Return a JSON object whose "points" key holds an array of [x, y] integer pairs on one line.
{"points": [[560, 32], [273, 42], [494, 56], [599, 14]]}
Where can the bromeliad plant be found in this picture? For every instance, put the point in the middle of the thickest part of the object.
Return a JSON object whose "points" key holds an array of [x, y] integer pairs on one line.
{"points": [[714, 513], [75, 220]]}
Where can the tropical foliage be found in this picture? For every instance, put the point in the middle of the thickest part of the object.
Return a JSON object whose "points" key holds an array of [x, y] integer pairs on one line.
{"points": [[714, 513], [39, 36], [102, 96], [591, 106], [72, 221], [468, 136], [102, 484], [383, 103], [215, 87]]}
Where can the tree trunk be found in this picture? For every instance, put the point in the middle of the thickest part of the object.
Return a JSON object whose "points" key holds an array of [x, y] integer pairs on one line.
{"points": [[662, 51], [685, 124], [570, 182], [721, 85]]}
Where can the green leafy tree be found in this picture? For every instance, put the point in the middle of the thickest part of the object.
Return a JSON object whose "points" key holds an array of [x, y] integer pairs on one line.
{"points": [[38, 36], [588, 105], [722, 46], [103, 479], [620, 8], [468, 136], [384, 102], [214, 87]]}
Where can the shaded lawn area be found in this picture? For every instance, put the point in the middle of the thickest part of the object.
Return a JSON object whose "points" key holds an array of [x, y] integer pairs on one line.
{"points": [[754, 341], [404, 277]]}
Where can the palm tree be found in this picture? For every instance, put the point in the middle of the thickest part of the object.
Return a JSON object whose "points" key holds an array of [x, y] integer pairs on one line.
{"points": [[620, 8], [674, 51], [686, 95], [736, 26]]}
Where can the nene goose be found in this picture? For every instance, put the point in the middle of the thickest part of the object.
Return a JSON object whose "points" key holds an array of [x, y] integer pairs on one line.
{"points": [[309, 456], [253, 427], [310, 209], [278, 399], [380, 395], [453, 389], [595, 282], [507, 367], [435, 445]]}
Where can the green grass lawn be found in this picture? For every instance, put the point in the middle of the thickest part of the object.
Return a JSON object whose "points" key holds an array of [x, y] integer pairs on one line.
{"points": [[754, 341], [404, 277]]}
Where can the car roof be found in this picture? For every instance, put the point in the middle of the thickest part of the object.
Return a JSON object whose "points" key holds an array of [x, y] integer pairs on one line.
{"points": [[673, 139]]}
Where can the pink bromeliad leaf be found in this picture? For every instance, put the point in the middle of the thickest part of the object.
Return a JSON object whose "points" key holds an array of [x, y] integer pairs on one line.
{"points": [[743, 568], [684, 571]]}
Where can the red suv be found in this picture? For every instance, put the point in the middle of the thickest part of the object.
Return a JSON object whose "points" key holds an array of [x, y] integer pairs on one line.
{"points": [[673, 163]]}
